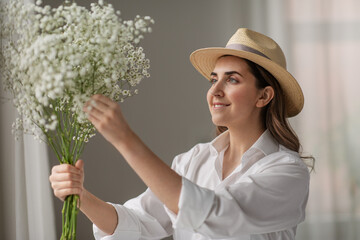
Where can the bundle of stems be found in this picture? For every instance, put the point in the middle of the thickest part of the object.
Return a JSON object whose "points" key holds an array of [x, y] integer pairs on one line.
{"points": [[67, 142]]}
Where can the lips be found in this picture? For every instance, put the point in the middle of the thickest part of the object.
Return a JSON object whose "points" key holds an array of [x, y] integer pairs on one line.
{"points": [[220, 105]]}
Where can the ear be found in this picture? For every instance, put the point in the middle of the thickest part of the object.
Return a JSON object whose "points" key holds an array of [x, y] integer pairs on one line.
{"points": [[266, 94]]}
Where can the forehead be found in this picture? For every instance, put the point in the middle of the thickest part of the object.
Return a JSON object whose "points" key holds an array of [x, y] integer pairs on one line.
{"points": [[231, 63]]}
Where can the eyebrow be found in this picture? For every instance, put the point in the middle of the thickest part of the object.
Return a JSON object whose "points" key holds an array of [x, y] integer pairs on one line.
{"points": [[226, 73]]}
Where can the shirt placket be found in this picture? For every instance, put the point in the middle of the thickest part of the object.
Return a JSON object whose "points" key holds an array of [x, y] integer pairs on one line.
{"points": [[247, 161]]}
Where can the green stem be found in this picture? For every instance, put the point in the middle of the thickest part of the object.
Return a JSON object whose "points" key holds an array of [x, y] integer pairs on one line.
{"points": [[93, 78], [53, 146], [67, 150], [76, 141]]}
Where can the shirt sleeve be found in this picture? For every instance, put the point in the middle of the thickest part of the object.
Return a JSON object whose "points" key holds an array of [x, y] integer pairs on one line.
{"points": [[143, 217], [268, 201]]}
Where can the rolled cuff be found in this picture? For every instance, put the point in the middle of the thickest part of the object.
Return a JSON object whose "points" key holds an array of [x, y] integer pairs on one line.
{"points": [[127, 227], [195, 204]]}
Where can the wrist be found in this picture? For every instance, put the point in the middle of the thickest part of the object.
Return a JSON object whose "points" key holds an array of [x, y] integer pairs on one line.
{"points": [[126, 137], [83, 198]]}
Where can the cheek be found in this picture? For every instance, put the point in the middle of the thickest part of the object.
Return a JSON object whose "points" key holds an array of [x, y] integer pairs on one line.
{"points": [[243, 97], [238, 96], [208, 97]]}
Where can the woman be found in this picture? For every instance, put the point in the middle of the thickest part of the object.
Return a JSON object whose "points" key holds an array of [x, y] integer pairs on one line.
{"points": [[248, 183]]}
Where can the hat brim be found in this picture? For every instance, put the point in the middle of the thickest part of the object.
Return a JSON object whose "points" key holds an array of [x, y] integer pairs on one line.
{"points": [[204, 60]]}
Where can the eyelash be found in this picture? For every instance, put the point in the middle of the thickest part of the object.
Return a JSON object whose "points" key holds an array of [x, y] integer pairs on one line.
{"points": [[212, 81], [230, 79], [233, 79]]}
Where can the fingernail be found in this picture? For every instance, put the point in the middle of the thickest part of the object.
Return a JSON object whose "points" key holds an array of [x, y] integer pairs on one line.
{"points": [[89, 108], [93, 102]]}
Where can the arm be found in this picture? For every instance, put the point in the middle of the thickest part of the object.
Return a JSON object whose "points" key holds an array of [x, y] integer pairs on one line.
{"points": [[143, 216], [160, 178], [67, 180], [107, 118]]}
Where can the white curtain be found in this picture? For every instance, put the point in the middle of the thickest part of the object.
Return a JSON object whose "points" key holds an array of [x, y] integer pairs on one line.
{"points": [[322, 45], [25, 196], [325, 37], [26, 202], [321, 40]]}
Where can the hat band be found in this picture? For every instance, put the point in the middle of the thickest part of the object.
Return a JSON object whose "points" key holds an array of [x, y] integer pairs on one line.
{"points": [[241, 47]]}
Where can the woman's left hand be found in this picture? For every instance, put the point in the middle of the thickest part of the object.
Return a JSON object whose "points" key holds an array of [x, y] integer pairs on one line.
{"points": [[107, 118], [157, 175]]}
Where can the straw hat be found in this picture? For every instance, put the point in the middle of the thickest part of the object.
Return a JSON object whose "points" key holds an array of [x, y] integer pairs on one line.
{"points": [[261, 50]]}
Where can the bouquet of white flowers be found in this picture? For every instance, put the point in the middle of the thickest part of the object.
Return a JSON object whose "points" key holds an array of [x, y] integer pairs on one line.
{"points": [[52, 60]]}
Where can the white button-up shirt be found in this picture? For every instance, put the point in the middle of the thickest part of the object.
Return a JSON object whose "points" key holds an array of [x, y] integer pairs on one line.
{"points": [[263, 198]]}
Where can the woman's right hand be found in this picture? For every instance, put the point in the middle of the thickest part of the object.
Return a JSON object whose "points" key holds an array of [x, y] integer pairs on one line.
{"points": [[67, 180]]}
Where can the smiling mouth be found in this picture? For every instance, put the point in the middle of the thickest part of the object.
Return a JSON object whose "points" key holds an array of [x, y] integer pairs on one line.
{"points": [[220, 105]]}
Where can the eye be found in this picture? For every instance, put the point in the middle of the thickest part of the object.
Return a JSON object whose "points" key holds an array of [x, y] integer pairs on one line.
{"points": [[233, 80], [213, 81]]}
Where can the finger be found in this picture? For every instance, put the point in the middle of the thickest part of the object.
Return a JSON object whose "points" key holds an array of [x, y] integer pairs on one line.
{"points": [[92, 111], [99, 105], [90, 105], [94, 120], [105, 100], [57, 185], [80, 165], [64, 168], [62, 177], [93, 115], [63, 193]]}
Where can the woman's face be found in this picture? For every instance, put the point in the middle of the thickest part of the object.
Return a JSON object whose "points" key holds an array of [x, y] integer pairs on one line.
{"points": [[233, 96]]}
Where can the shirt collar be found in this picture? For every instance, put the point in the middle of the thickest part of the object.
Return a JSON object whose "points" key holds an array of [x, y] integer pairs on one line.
{"points": [[220, 142], [265, 143]]}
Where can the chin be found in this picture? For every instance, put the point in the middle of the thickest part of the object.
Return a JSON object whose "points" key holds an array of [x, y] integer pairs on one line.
{"points": [[219, 122]]}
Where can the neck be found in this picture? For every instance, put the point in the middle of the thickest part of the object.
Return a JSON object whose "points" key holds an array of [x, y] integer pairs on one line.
{"points": [[242, 138], [240, 141]]}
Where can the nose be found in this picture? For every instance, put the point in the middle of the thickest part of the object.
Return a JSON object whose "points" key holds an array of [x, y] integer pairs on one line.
{"points": [[217, 89]]}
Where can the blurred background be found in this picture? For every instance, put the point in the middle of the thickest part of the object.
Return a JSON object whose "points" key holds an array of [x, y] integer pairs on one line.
{"points": [[321, 40]]}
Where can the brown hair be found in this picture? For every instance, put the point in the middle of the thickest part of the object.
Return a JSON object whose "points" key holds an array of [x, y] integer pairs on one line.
{"points": [[274, 114]]}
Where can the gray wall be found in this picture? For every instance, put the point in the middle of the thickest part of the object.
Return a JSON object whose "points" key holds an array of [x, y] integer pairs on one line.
{"points": [[170, 113]]}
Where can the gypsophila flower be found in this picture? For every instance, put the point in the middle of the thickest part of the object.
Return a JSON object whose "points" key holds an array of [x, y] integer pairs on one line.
{"points": [[52, 60], [68, 53]]}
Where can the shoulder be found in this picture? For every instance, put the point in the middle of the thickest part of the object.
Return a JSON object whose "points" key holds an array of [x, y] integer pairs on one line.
{"points": [[182, 161], [284, 161], [283, 172], [285, 156]]}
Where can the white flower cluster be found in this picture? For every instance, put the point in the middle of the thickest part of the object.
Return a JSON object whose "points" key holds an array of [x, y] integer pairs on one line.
{"points": [[54, 59]]}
